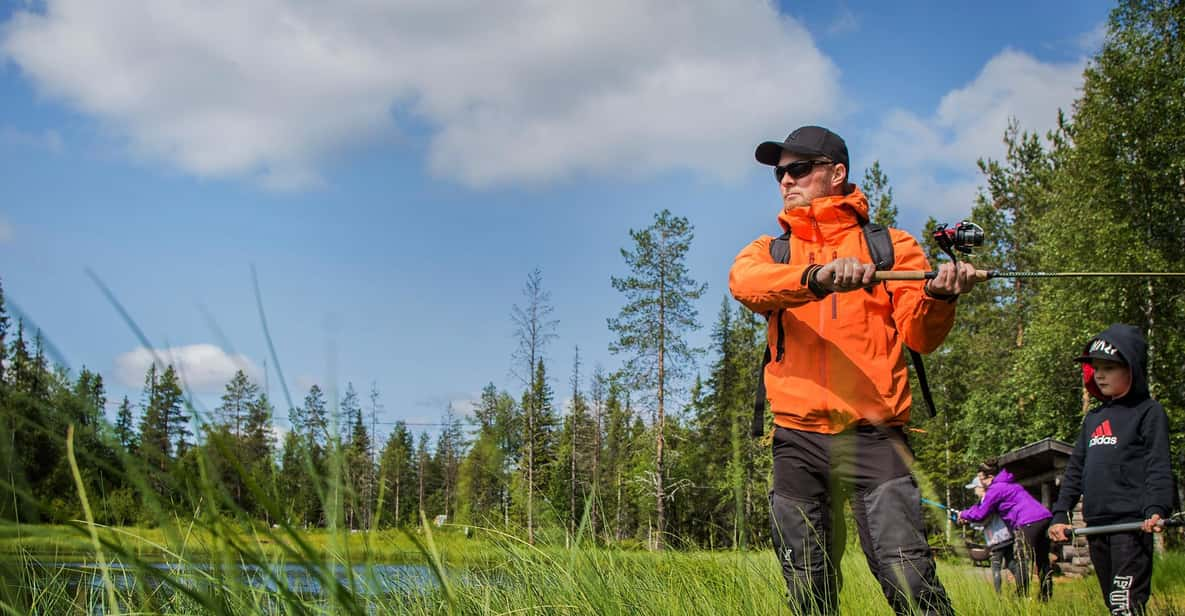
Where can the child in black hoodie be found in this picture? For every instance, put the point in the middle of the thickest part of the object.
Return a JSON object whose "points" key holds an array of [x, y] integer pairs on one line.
{"points": [[1121, 465]]}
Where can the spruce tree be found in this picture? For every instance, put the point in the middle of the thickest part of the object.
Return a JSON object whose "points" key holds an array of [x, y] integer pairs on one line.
{"points": [[125, 431], [397, 468]]}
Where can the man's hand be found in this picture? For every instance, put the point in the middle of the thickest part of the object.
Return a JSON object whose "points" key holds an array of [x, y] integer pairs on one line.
{"points": [[845, 274], [1057, 532], [952, 279], [1152, 524]]}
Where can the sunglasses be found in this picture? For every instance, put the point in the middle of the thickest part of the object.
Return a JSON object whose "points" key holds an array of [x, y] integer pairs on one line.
{"points": [[799, 168]]}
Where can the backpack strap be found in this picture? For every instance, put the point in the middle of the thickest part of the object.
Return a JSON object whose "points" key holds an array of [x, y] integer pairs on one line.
{"points": [[880, 245], [880, 249], [779, 249]]}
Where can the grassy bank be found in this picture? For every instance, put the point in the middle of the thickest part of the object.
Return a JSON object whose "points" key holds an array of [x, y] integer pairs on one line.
{"points": [[509, 577], [186, 542]]}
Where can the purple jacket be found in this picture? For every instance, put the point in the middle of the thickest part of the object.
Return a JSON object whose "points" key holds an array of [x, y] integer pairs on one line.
{"points": [[1010, 501]]}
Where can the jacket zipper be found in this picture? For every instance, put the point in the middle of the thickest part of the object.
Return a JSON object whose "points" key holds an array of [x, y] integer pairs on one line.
{"points": [[834, 302], [822, 324]]}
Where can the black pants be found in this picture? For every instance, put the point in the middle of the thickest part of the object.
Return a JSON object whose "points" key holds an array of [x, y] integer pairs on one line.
{"points": [[1004, 557], [1034, 547], [1123, 563], [813, 475]]}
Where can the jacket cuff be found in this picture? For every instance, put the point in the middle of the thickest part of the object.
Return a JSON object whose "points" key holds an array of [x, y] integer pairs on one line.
{"points": [[809, 279], [1155, 509], [950, 299], [1060, 517]]}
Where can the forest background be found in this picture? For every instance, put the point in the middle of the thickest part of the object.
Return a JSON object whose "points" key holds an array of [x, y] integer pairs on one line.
{"points": [[657, 453]]}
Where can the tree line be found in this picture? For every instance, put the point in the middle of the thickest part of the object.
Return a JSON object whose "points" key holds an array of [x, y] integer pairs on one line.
{"points": [[658, 451]]}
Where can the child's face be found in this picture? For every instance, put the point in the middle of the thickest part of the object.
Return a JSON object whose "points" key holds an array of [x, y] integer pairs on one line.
{"points": [[1113, 378]]}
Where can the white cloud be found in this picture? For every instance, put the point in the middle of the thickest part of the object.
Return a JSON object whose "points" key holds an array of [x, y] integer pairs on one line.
{"points": [[931, 160], [523, 91], [204, 368]]}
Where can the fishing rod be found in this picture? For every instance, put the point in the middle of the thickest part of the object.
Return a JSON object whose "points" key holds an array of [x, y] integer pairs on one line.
{"points": [[965, 236], [954, 517], [1169, 522]]}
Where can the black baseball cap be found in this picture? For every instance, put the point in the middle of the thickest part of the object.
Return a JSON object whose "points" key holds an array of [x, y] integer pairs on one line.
{"points": [[1099, 348], [808, 141]]}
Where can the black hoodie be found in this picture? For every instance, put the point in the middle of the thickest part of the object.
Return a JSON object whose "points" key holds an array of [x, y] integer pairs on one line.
{"points": [[1120, 465]]}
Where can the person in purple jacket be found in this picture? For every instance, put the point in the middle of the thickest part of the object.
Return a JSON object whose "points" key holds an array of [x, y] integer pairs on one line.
{"points": [[1026, 517]]}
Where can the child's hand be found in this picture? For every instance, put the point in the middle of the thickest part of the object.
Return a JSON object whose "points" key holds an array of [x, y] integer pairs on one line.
{"points": [[1152, 524], [1057, 532]]}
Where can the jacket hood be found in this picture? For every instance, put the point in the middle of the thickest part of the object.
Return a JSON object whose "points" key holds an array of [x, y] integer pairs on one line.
{"points": [[1004, 477], [826, 215], [1130, 342]]}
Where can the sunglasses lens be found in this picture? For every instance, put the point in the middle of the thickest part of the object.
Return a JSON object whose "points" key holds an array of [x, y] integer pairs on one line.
{"points": [[796, 169]]}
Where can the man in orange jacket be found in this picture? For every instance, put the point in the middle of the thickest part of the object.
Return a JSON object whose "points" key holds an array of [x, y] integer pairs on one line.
{"points": [[838, 386]]}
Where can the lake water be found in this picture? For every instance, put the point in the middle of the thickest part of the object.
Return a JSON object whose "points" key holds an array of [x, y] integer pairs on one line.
{"points": [[303, 579]]}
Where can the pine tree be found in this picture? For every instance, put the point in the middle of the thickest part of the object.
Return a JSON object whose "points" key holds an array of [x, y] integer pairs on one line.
{"points": [[876, 188], [651, 327], [482, 487], [258, 438], [450, 448], [423, 470], [295, 486], [359, 467], [316, 419], [236, 402], [598, 391], [154, 427], [259, 448], [618, 418], [125, 428], [534, 328], [574, 454], [397, 474], [539, 440], [226, 439], [173, 406]]}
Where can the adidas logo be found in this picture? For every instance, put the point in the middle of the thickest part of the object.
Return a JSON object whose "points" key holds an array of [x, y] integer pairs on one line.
{"points": [[1102, 435]]}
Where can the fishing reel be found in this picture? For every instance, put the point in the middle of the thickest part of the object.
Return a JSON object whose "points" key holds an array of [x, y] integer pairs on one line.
{"points": [[962, 237]]}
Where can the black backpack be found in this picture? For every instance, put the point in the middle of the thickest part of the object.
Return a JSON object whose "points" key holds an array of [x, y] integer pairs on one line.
{"points": [[880, 248]]}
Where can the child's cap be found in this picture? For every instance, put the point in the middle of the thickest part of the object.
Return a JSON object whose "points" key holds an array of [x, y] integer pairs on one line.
{"points": [[1099, 348], [974, 483]]}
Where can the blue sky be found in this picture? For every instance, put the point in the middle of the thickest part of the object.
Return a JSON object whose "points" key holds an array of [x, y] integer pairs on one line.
{"points": [[394, 171]]}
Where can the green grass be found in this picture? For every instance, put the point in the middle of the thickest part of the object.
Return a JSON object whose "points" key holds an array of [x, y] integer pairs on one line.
{"points": [[157, 544], [510, 577]]}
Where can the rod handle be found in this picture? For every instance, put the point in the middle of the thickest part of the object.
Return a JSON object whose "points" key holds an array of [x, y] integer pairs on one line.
{"points": [[980, 275]]}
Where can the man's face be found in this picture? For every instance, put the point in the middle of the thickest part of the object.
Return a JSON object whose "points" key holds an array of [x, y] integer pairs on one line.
{"points": [[1113, 378], [821, 181]]}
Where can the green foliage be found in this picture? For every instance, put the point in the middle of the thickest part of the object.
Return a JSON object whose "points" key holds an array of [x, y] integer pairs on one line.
{"points": [[875, 186], [626, 466]]}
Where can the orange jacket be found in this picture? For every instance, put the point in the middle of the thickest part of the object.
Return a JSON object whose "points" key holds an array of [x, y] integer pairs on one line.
{"points": [[844, 360]]}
